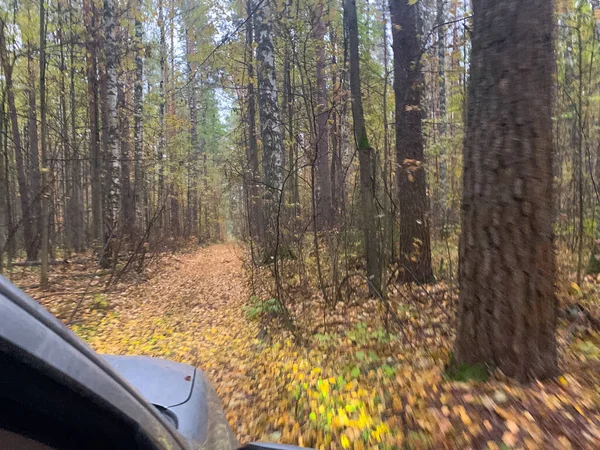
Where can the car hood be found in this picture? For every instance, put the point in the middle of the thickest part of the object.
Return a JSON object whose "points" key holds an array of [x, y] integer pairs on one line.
{"points": [[162, 383]]}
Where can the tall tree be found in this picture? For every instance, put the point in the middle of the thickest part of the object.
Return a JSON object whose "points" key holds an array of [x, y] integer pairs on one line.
{"points": [[76, 201], [508, 305], [321, 113], [33, 169], [441, 63], [594, 262], [112, 131], [415, 247], [365, 152], [252, 175], [192, 211], [91, 22], [161, 149], [45, 218], [5, 226], [273, 156], [7, 66], [138, 117]]}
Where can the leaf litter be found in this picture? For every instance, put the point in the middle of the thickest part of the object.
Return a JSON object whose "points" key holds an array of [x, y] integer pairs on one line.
{"points": [[355, 382]]}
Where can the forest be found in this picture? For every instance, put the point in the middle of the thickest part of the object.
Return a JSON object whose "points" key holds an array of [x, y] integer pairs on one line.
{"points": [[373, 224]]}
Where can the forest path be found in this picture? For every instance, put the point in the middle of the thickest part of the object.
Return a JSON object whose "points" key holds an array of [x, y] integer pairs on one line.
{"points": [[192, 312]]}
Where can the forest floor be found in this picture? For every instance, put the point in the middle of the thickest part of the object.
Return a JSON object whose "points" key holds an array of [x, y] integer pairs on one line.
{"points": [[353, 384]]}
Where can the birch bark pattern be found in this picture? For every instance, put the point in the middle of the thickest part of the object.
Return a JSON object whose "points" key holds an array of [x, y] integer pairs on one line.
{"points": [[507, 311], [270, 123], [114, 195]]}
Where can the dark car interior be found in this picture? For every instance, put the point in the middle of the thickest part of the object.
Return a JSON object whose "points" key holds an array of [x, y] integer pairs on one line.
{"points": [[39, 412]]}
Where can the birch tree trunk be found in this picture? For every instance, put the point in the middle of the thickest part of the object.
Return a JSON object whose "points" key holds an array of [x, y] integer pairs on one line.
{"points": [[270, 122], [112, 131], [508, 307]]}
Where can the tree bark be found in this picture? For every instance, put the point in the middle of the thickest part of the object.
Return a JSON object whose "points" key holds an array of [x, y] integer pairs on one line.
{"points": [[7, 65], [270, 121], [76, 174], [322, 111], [508, 306], [252, 176], [594, 261], [161, 114], [138, 117], [415, 247], [34, 157], [89, 17], [441, 63], [193, 173], [365, 153], [5, 212], [112, 133], [127, 208], [45, 195]]}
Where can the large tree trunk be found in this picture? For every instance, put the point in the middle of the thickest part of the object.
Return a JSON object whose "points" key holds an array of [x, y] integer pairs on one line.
{"points": [[323, 200], [7, 65], [270, 121], [508, 306], [365, 153], [415, 251]]}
